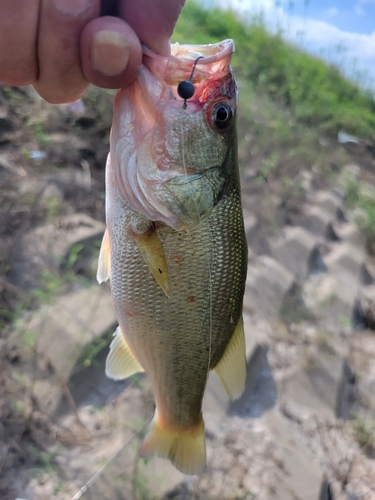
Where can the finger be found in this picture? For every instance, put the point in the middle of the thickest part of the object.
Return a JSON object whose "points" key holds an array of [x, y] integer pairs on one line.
{"points": [[18, 34], [110, 53], [60, 26], [152, 21]]}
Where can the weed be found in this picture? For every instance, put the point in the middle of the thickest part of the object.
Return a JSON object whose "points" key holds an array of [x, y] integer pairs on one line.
{"points": [[364, 433], [140, 489], [22, 380], [25, 154], [59, 487], [45, 458], [352, 193], [324, 342], [309, 360], [37, 126], [53, 207], [293, 309], [30, 339], [102, 461], [361, 200], [269, 165], [345, 321], [73, 256], [19, 408], [287, 182], [53, 283], [90, 352]]}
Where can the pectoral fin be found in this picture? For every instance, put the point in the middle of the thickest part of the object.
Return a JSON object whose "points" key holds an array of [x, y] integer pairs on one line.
{"points": [[104, 263], [231, 369], [152, 251], [121, 362]]}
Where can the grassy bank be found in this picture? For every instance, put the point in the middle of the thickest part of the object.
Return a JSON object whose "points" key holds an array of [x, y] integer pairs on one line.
{"points": [[316, 93]]}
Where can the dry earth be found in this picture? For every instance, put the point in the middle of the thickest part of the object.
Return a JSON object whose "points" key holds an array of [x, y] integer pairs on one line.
{"points": [[305, 426]]}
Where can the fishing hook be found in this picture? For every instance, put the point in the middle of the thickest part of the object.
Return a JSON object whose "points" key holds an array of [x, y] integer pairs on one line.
{"points": [[186, 88]]}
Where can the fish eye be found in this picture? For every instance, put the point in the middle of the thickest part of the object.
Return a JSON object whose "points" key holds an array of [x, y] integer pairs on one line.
{"points": [[222, 115]]}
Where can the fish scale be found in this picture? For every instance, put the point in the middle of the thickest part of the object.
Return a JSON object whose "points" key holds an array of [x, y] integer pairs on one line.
{"points": [[190, 326]]}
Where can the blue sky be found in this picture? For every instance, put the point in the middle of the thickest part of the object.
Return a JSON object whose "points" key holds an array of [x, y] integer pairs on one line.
{"points": [[348, 15], [341, 31]]}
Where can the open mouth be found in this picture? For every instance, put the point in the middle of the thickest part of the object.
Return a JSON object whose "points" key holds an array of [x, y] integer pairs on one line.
{"points": [[210, 53], [210, 61]]}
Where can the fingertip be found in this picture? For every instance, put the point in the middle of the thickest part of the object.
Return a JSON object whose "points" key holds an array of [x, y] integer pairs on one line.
{"points": [[110, 53], [56, 96]]}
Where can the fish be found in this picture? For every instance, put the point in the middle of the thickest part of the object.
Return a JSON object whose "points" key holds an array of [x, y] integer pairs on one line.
{"points": [[174, 247]]}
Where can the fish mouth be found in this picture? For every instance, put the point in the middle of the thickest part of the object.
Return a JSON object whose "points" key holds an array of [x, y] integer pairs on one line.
{"points": [[213, 63], [210, 53]]}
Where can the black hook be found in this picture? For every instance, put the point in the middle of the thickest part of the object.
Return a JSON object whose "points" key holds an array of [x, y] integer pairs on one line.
{"points": [[186, 88]]}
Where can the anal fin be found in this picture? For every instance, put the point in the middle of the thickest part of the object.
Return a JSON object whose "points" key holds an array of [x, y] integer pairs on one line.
{"points": [[121, 362], [104, 263], [231, 369], [152, 251]]}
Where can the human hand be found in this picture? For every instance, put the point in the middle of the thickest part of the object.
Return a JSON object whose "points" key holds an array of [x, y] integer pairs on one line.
{"points": [[60, 46]]}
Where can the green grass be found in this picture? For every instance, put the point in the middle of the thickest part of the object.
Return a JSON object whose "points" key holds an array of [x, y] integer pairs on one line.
{"points": [[317, 94], [364, 433], [361, 199]]}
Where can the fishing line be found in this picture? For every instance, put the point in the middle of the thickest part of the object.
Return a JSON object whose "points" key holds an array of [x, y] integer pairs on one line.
{"points": [[184, 164], [96, 476], [208, 254], [210, 345], [186, 90], [195, 64]]}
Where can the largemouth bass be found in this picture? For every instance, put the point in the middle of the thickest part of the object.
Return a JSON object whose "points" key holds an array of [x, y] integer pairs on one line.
{"points": [[175, 247]]}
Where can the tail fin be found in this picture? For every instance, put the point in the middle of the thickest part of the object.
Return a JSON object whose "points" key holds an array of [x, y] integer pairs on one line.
{"points": [[185, 447]]}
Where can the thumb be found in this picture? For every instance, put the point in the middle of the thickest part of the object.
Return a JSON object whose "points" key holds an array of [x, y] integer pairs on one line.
{"points": [[153, 21]]}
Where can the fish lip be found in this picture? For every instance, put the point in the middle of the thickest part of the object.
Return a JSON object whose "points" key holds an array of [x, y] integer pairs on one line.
{"points": [[208, 53], [213, 63]]}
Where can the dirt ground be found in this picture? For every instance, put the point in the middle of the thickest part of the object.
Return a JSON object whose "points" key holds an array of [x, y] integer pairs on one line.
{"points": [[52, 162]]}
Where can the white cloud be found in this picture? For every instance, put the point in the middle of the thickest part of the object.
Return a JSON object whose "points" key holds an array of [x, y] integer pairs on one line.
{"points": [[349, 50]]}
